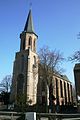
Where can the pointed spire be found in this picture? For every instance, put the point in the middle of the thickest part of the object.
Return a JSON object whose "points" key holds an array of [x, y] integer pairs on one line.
{"points": [[29, 23]]}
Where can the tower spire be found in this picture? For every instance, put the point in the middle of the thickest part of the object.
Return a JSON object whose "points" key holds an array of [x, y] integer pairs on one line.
{"points": [[29, 23]]}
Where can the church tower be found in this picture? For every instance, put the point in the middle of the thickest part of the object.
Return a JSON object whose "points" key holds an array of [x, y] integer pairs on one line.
{"points": [[25, 70]]}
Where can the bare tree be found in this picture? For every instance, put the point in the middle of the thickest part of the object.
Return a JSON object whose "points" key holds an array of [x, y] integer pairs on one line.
{"points": [[49, 63], [75, 57], [6, 83]]}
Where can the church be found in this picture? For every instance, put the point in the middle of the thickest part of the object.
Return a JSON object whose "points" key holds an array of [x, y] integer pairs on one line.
{"points": [[26, 82]]}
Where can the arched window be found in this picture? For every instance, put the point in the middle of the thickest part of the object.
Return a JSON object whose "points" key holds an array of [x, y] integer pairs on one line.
{"points": [[20, 81], [34, 60], [30, 41], [22, 63], [43, 86], [43, 93], [34, 44], [68, 93], [57, 91], [61, 88], [24, 44], [65, 93]]}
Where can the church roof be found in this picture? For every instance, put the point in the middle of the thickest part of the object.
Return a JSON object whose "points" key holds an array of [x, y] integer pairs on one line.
{"points": [[65, 78], [29, 23]]}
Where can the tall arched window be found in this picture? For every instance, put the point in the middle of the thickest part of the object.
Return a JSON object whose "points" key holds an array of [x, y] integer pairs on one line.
{"points": [[24, 44], [68, 93], [30, 41], [34, 44], [61, 88], [57, 92], [43, 93], [65, 94], [22, 63], [43, 86], [34, 60], [20, 81]]}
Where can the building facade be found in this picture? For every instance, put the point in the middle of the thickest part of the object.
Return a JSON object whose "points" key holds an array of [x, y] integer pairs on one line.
{"points": [[25, 74], [77, 79], [61, 89]]}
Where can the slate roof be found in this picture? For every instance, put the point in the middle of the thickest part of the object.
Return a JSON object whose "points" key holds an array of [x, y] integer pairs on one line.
{"points": [[64, 77], [29, 23]]}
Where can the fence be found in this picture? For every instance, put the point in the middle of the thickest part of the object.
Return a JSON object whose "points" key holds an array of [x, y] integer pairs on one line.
{"points": [[37, 116], [55, 116], [9, 115]]}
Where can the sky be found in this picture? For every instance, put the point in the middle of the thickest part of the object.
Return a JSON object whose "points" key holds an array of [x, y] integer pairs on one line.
{"points": [[56, 22]]}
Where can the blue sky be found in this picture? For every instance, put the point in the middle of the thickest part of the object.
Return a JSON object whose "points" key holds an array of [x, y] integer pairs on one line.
{"points": [[56, 22]]}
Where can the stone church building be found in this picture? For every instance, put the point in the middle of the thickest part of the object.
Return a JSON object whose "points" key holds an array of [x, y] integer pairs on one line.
{"points": [[25, 73]]}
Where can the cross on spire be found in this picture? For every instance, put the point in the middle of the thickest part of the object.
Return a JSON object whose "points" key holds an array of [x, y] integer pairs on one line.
{"points": [[30, 5]]}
